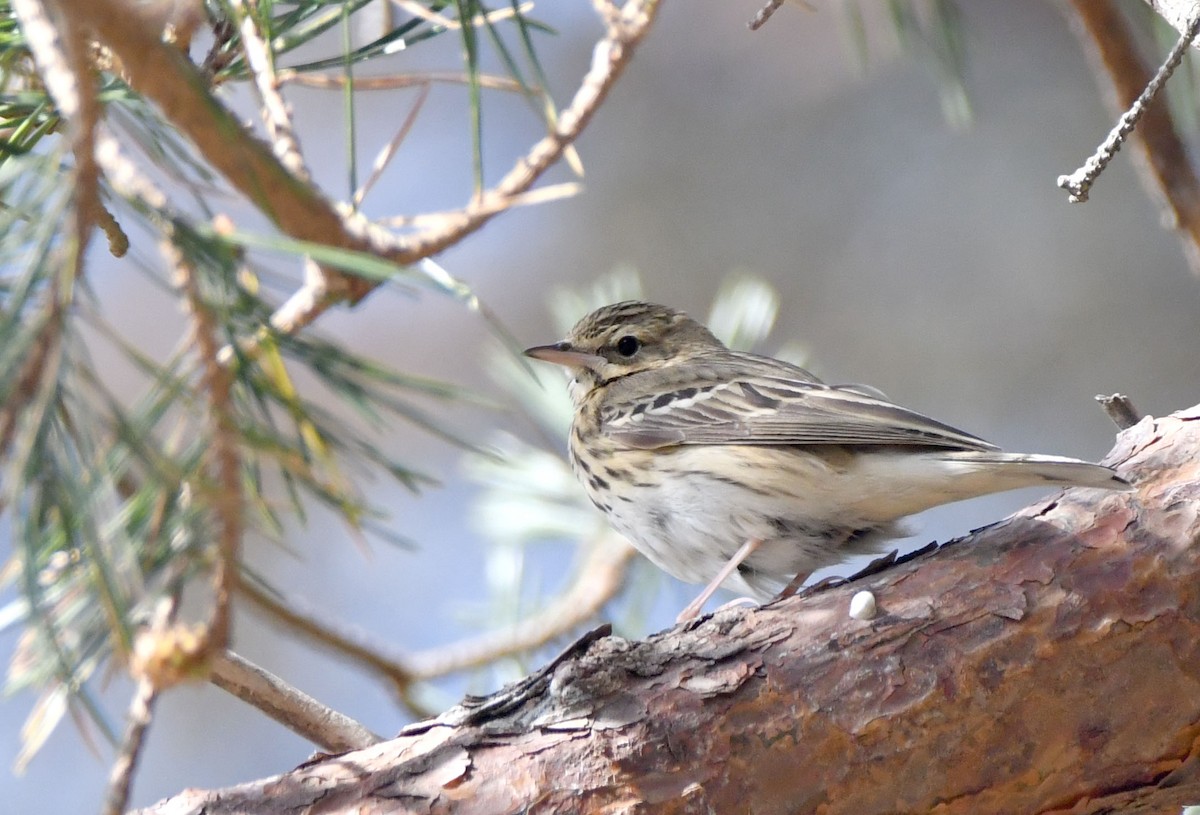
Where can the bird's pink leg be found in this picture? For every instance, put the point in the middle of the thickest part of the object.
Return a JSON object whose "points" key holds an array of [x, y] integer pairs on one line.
{"points": [[693, 608], [794, 586]]}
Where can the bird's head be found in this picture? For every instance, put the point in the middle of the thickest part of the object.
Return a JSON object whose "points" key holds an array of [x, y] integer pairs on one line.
{"points": [[626, 338]]}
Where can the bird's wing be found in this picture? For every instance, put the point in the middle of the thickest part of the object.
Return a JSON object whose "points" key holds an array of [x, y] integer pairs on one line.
{"points": [[759, 408]]}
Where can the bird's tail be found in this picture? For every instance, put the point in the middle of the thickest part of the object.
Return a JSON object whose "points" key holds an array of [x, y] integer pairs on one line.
{"points": [[1010, 471], [894, 485]]}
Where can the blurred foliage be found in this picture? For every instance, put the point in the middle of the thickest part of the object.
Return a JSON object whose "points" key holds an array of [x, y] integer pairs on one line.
{"points": [[932, 32], [529, 495], [111, 499]]}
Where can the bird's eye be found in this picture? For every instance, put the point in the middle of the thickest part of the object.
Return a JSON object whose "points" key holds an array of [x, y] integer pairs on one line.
{"points": [[628, 345]]}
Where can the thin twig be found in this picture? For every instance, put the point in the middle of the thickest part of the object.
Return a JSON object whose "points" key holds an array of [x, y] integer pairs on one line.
{"points": [[42, 38], [626, 29], [389, 150], [162, 74], [165, 76], [596, 582], [336, 82], [542, 195], [331, 731], [610, 58], [1163, 162], [276, 115], [1090, 14], [219, 53], [764, 14], [609, 12], [62, 53], [346, 644], [141, 713], [598, 579], [1120, 409], [120, 778]]}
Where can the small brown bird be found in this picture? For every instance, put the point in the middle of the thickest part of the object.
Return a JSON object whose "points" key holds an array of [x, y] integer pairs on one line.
{"points": [[731, 468]]}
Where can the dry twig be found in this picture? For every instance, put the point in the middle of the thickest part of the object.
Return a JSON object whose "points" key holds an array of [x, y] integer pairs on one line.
{"points": [[1120, 409], [385, 155], [542, 195], [120, 778], [337, 82], [597, 580], [1169, 173], [141, 712], [162, 74], [299, 712], [763, 14]]}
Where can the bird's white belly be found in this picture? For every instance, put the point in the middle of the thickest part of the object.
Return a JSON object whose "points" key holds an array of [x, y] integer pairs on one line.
{"points": [[717, 498]]}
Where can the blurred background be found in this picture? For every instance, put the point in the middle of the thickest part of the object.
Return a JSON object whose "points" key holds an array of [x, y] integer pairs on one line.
{"points": [[938, 263]]}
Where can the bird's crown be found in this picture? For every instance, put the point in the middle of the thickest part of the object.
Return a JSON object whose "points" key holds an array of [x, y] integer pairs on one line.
{"points": [[648, 325]]}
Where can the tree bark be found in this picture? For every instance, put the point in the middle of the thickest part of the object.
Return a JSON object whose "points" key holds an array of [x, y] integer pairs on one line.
{"points": [[1047, 663]]}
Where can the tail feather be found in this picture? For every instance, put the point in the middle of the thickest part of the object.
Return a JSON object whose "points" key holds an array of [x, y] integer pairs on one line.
{"points": [[1028, 470], [892, 485]]}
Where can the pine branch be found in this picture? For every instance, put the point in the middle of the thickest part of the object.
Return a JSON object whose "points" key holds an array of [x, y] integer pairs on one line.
{"points": [[1047, 662]]}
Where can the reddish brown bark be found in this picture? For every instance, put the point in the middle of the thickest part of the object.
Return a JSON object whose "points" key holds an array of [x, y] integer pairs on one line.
{"points": [[1049, 663]]}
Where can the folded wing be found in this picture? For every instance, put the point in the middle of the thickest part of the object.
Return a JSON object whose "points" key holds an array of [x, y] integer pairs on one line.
{"points": [[765, 407]]}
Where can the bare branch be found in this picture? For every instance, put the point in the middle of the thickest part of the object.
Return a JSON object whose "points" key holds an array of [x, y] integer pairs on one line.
{"points": [[294, 709], [120, 780], [1097, 19], [1163, 162], [389, 150], [336, 82], [163, 74], [141, 712], [74, 92], [763, 14], [611, 56], [542, 195], [597, 580], [344, 643]]}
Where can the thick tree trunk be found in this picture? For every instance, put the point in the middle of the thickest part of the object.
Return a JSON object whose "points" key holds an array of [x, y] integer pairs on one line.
{"points": [[1048, 663]]}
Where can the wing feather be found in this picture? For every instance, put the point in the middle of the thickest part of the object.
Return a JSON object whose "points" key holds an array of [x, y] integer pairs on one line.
{"points": [[762, 401]]}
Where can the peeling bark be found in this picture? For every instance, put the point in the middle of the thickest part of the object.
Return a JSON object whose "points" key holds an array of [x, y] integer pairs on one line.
{"points": [[1047, 663]]}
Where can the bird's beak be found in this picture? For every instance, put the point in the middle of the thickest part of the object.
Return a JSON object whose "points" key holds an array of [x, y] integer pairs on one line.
{"points": [[561, 353]]}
